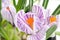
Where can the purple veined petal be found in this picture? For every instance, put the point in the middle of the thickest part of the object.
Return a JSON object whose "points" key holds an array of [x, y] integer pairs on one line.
{"points": [[37, 36], [8, 14], [26, 16], [38, 10], [13, 10], [21, 12], [40, 35], [39, 25], [21, 23], [47, 13], [58, 23], [58, 20]]}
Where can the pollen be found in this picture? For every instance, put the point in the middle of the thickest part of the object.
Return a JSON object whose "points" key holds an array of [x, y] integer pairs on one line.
{"points": [[52, 19], [30, 22]]}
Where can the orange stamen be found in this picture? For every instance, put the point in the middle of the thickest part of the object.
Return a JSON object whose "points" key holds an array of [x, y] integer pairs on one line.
{"points": [[30, 22], [52, 19], [7, 8]]}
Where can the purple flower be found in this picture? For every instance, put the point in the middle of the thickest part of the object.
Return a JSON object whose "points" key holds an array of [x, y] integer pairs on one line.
{"points": [[32, 23], [8, 12]]}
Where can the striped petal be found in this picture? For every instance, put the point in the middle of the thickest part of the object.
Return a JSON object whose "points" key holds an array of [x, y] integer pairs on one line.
{"points": [[58, 20], [58, 23], [38, 10], [38, 36], [40, 25]]}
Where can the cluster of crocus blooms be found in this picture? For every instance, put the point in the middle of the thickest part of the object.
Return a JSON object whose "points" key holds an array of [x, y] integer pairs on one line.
{"points": [[32, 23]]}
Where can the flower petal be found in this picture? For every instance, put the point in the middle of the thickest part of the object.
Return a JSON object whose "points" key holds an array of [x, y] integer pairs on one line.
{"points": [[38, 10], [5, 3], [58, 20], [40, 25], [37, 36]]}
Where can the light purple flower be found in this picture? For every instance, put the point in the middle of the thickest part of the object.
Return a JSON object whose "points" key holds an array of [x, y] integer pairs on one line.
{"points": [[32, 23], [8, 12]]}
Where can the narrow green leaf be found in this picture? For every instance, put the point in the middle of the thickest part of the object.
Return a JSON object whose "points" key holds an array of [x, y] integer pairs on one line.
{"points": [[30, 4], [15, 35], [14, 3], [50, 31], [27, 9], [45, 3], [57, 33], [5, 30], [0, 12], [21, 4], [56, 11], [0, 18], [3, 33], [0, 4], [12, 32]]}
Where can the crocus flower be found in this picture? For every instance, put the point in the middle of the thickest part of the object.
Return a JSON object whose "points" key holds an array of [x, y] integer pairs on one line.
{"points": [[55, 20], [8, 11], [32, 23]]}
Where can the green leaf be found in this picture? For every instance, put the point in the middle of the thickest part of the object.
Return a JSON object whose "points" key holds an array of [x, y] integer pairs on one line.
{"points": [[14, 3], [3, 23], [30, 4], [0, 4], [29, 7], [3, 33], [50, 31], [0, 12], [12, 32], [0, 18], [15, 35], [57, 33], [56, 11], [20, 5], [45, 3], [6, 30]]}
